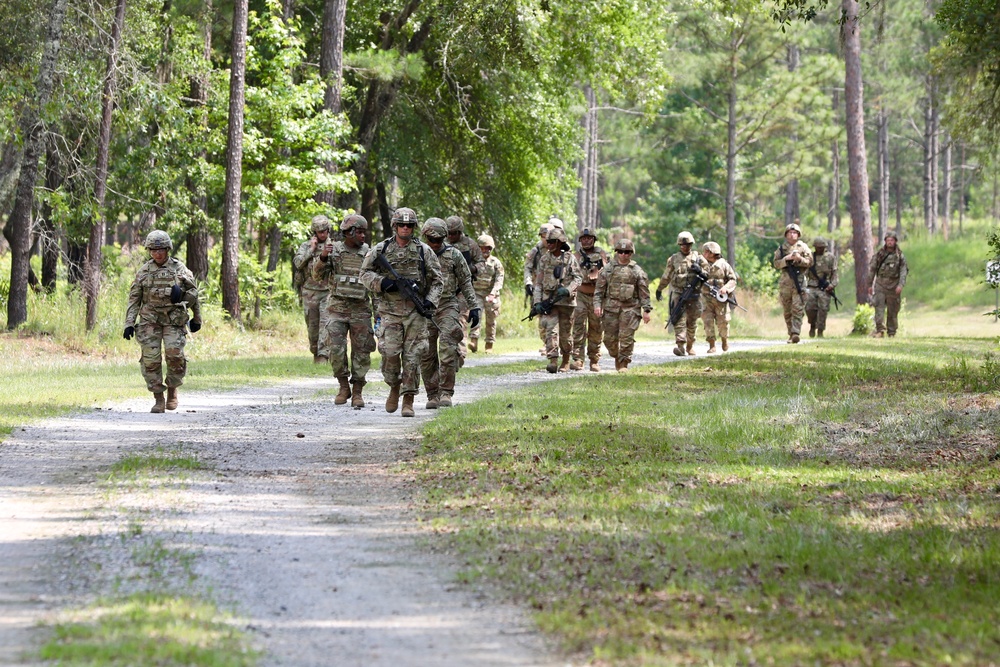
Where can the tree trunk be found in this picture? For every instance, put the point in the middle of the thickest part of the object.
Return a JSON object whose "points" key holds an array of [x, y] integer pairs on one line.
{"points": [[92, 270], [899, 196], [586, 170], [928, 205], [19, 222], [883, 173], [49, 235], [833, 192], [369, 204], [383, 203], [857, 159], [76, 255], [331, 70], [197, 237], [792, 187], [230, 281], [731, 96], [946, 190], [10, 167], [935, 170], [961, 189]]}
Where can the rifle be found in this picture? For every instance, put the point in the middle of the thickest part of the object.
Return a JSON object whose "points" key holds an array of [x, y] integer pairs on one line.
{"points": [[408, 288], [823, 284], [691, 292], [725, 298], [586, 263], [544, 307], [796, 275]]}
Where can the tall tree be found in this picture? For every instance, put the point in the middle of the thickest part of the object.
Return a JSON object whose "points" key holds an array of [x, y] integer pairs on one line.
{"points": [[234, 165], [331, 70]]}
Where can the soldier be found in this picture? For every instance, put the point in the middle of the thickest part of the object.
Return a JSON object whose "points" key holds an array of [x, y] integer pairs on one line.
{"points": [[161, 293], [488, 285], [823, 271], [557, 271], [473, 257], [717, 313], [792, 258], [438, 368], [888, 271], [347, 310], [587, 325], [531, 259], [621, 299], [312, 291], [675, 277], [404, 329]]}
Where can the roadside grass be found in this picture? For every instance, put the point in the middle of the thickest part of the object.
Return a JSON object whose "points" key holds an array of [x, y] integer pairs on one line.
{"points": [[133, 465], [825, 504]]}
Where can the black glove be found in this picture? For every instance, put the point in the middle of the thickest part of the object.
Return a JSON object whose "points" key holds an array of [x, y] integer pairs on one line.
{"points": [[129, 332], [659, 295], [389, 285], [429, 307], [474, 318], [529, 291], [176, 294], [194, 325]]}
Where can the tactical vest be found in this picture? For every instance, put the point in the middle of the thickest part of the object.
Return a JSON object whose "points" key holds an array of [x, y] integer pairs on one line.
{"points": [[448, 257], [682, 265], [621, 284], [823, 267], [484, 280], [889, 269], [156, 287], [345, 283]]}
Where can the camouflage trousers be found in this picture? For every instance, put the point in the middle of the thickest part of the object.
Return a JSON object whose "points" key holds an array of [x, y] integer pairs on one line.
{"points": [[619, 332], [404, 339], [489, 311], [716, 315], [887, 303], [791, 304], [439, 361], [170, 339], [586, 327], [312, 304], [687, 325], [558, 326], [333, 343], [817, 307]]}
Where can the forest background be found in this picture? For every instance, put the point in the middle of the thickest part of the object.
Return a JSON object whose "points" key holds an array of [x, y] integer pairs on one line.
{"points": [[636, 118]]}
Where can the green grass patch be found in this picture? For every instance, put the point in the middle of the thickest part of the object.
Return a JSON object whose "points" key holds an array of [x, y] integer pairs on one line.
{"points": [[139, 464], [150, 629], [826, 504]]}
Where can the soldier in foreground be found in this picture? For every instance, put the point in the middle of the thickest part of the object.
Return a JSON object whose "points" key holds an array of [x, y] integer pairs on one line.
{"points": [[556, 282], [347, 310], [160, 296], [406, 277], [587, 325], [675, 278], [312, 291], [888, 271], [621, 300], [488, 285], [440, 358], [792, 258], [717, 314], [821, 281]]}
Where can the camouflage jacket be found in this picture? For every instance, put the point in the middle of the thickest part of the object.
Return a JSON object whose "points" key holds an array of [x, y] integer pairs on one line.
{"points": [[457, 277], [591, 262], [554, 272], [675, 274], [888, 270], [824, 267], [622, 286], [149, 296], [469, 249], [415, 261], [490, 279], [804, 262], [720, 276], [531, 259], [341, 273], [303, 261]]}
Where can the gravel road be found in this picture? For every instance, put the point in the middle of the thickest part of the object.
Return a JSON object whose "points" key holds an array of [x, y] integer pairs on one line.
{"points": [[301, 525]]}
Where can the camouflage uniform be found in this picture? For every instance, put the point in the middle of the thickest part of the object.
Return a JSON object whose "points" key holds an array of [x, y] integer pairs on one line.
{"points": [[312, 291], [489, 282], [888, 271], [347, 310], [791, 301], [818, 300], [161, 323], [531, 259], [622, 292], [559, 322], [404, 330], [716, 313], [469, 249], [587, 326], [675, 277], [439, 361]]}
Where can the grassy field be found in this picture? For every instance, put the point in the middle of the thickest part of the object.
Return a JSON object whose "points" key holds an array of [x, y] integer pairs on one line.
{"points": [[830, 504]]}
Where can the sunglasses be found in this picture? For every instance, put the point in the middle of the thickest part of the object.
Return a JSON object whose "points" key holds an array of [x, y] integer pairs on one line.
{"points": [[434, 239], [624, 252], [411, 225], [552, 241]]}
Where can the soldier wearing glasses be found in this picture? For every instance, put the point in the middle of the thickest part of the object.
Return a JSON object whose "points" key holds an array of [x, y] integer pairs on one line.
{"points": [[622, 302]]}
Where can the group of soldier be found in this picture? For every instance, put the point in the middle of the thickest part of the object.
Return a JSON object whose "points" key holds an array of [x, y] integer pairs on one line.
{"points": [[423, 294]]}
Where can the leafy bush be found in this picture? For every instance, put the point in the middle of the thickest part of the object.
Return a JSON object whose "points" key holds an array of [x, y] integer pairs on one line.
{"points": [[864, 319], [756, 274]]}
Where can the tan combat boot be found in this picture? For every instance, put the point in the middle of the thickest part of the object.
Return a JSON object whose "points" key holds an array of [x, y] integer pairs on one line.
{"points": [[171, 398], [819, 333], [553, 365], [320, 359], [565, 364], [577, 365], [690, 348], [812, 331], [357, 400], [432, 402], [444, 401], [392, 402], [679, 349], [725, 345], [623, 365], [489, 347], [711, 346], [158, 406], [407, 410], [344, 393], [594, 367], [794, 339], [473, 345]]}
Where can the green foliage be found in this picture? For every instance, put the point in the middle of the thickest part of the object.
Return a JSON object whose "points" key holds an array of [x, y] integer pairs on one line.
{"points": [[863, 321], [756, 273]]}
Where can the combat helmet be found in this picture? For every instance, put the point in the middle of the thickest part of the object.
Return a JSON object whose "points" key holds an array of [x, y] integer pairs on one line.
{"points": [[557, 234], [624, 244], [556, 222], [435, 228], [454, 224], [586, 231], [320, 223], [354, 221], [793, 227], [712, 247], [543, 231], [486, 241], [403, 215], [158, 240], [820, 242], [892, 233], [685, 237]]}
